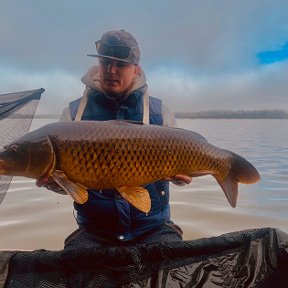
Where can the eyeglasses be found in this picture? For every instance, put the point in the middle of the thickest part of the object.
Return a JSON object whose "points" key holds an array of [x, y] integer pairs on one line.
{"points": [[116, 51]]}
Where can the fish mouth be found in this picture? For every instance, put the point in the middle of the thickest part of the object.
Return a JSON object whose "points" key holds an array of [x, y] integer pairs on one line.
{"points": [[3, 167]]}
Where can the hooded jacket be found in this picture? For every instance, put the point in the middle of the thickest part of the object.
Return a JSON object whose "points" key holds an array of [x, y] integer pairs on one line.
{"points": [[106, 213]]}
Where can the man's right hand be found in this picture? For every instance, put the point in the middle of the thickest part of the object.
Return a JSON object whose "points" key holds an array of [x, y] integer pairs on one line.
{"points": [[180, 180], [50, 184]]}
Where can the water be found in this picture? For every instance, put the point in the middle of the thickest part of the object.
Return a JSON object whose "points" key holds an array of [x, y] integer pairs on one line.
{"points": [[35, 218]]}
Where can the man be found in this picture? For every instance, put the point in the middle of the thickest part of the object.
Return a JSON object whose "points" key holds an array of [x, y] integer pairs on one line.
{"points": [[117, 89]]}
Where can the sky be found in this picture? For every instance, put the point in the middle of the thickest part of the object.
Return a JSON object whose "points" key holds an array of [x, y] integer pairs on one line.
{"points": [[197, 54]]}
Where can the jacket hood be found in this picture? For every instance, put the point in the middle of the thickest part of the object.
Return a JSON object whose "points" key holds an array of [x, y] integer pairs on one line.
{"points": [[91, 80]]}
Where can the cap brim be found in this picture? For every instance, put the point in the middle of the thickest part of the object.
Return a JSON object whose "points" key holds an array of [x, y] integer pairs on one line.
{"points": [[110, 57]]}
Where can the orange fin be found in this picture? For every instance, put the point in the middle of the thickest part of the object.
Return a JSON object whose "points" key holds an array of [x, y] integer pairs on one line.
{"points": [[77, 191], [137, 196]]}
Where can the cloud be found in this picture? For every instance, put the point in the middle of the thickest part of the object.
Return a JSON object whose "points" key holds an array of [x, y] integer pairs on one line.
{"points": [[196, 54], [60, 88], [205, 36], [263, 88]]}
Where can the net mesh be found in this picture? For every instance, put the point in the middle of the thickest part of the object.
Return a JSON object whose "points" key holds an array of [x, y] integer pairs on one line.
{"points": [[251, 258], [16, 114]]}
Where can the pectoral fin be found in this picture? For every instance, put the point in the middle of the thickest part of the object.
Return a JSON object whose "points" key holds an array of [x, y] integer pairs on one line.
{"points": [[137, 196], [77, 191]]}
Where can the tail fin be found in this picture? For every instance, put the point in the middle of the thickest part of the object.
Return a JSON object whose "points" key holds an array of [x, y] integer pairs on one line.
{"points": [[241, 171]]}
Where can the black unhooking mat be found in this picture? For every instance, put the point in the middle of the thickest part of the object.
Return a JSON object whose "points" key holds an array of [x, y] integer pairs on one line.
{"points": [[251, 258]]}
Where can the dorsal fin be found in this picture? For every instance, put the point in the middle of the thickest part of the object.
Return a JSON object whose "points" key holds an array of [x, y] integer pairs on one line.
{"points": [[124, 122]]}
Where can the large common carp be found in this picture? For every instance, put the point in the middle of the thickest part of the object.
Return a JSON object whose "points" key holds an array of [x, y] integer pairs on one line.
{"points": [[121, 155]]}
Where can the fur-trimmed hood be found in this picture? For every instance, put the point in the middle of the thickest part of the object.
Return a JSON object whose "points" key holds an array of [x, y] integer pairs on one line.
{"points": [[91, 80]]}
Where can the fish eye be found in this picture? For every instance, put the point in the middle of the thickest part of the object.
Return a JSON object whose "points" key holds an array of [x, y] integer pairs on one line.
{"points": [[13, 148]]}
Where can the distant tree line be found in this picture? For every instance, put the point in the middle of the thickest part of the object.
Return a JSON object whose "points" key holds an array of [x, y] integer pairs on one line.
{"points": [[36, 116], [215, 114], [228, 114]]}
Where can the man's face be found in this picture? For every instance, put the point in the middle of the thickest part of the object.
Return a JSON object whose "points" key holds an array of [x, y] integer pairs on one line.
{"points": [[116, 76]]}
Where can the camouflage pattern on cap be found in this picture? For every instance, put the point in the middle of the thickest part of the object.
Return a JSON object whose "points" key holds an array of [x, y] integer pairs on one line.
{"points": [[121, 38]]}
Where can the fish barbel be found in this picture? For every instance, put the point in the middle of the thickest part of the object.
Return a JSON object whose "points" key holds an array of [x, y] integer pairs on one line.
{"points": [[121, 155]]}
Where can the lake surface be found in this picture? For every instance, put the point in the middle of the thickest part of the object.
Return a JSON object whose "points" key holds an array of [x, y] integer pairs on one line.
{"points": [[35, 218]]}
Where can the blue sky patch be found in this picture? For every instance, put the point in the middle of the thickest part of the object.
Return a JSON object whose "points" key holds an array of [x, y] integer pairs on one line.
{"points": [[268, 57]]}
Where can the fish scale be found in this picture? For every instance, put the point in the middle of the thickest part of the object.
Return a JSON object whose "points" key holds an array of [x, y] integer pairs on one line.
{"points": [[161, 153]]}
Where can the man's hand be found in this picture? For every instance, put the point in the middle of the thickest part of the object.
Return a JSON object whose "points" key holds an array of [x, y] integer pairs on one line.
{"points": [[179, 180], [50, 184]]}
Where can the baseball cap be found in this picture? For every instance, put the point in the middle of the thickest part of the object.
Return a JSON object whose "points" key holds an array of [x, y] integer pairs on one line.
{"points": [[118, 45]]}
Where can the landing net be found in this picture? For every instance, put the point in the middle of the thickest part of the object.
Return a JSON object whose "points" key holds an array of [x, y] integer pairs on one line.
{"points": [[16, 114], [251, 258]]}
